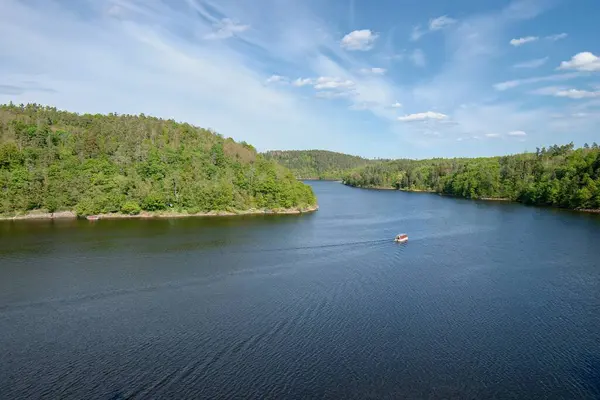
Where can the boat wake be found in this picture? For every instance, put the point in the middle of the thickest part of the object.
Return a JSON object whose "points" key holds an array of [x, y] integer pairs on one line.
{"points": [[321, 246]]}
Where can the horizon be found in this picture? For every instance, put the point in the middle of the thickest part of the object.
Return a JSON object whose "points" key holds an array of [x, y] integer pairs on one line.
{"points": [[435, 80]]}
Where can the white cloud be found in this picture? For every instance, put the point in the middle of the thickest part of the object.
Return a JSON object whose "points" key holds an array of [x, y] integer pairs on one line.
{"points": [[558, 91], [576, 94], [492, 135], [535, 63], [556, 37], [523, 40], [303, 82], [547, 90], [374, 71], [517, 133], [277, 79], [226, 28], [396, 105], [549, 78], [418, 58], [585, 61], [326, 82], [423, 116], [359, 40], [440, 22]]}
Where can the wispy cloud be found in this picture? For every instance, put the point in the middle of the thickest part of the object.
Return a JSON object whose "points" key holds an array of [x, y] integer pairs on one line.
{"points": [[303, 82], [422, 116], [373, 70], [438, 23], [326, 82], [536, 79], [226, 28], [277, 79], [523, 40], [577, 94], [435, 24], [517, 133], [561, 91], [558, 36], [535, 63], [416, 33]]}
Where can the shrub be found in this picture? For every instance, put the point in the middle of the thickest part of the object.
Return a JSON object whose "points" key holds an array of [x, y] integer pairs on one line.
{"points": [[131, 208]]}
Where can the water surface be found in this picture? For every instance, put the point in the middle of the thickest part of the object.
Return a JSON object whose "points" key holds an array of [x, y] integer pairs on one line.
{"points": [[486, 300]]}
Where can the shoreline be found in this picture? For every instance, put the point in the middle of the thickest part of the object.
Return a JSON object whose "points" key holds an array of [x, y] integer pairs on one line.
{"points": [[318, 179], [499, 199], [39, 215], [588, 210]]}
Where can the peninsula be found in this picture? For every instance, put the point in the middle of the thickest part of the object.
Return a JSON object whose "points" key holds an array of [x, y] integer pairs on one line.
{"points": [[59, 164]]}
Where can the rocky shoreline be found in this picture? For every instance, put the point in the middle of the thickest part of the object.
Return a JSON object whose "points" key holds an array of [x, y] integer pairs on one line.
{"points": [[166, 214]]}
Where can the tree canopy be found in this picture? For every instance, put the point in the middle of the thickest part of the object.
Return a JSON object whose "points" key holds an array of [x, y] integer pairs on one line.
{"points": [[318, 164], [559, 176], [56, 160]]}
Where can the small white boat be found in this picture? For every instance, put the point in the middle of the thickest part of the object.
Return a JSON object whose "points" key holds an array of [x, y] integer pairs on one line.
{"points": [[401, 238], [92, 218]]}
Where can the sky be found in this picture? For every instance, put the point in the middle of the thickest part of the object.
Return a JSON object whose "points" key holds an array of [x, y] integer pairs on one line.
{"points": [[376, 78]]}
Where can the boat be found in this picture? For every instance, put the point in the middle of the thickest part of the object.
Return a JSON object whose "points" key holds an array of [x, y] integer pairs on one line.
{"points": [[92, 218], [401, 238]]}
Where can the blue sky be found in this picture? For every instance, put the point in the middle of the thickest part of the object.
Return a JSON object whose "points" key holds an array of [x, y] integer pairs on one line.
{"points": [[377, 78]]}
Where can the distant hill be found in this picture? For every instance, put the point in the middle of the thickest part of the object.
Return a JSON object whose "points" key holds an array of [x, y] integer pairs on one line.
{"points": [[318, 164]]}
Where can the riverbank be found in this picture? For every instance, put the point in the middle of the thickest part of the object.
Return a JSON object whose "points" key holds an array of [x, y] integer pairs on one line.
{"points": [[38, 214], [588, 210], [392, 188], [319, 179], [501, 199]]}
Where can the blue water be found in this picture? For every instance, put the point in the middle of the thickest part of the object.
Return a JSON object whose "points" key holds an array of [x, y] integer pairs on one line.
{"points": [[486, 300]]}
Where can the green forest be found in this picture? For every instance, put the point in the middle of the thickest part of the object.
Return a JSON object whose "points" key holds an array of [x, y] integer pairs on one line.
{"points": [[318, 164], [559, 176], [55, 160]]}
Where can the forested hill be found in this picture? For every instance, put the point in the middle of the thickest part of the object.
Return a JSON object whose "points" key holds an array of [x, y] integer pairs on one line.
{"points": [[318, 164], [55, 160], [560, 176]]}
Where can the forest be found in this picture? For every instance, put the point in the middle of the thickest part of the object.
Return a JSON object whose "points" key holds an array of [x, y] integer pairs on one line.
{"points": [[559, 176], [318, 164], [56, 160]]}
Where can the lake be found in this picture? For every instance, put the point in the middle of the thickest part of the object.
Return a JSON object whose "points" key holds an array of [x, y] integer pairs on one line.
{"points": [[486, 300]]}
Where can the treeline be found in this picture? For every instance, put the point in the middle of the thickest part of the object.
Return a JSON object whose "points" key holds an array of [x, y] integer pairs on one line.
{"points": [[559, 176], [56, 160], [318, 164]]}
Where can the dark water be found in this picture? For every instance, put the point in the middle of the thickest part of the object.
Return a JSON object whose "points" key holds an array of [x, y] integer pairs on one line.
{"points": [[486, 300]]}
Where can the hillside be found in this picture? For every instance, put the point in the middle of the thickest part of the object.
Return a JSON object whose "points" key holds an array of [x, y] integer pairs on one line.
{"points": [[317, 164], [559, 176], [55, 160]]}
